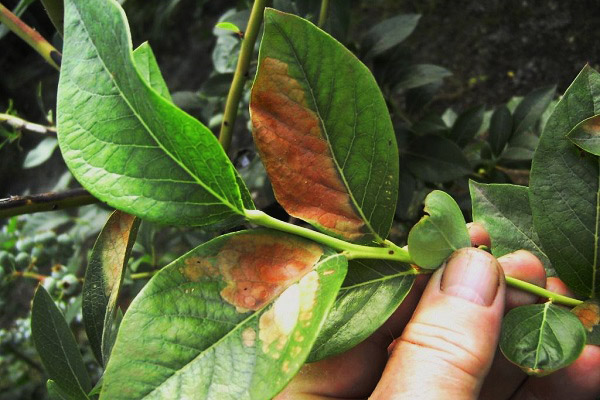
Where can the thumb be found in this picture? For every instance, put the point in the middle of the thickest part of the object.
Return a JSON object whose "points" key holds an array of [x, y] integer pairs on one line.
{"points": [[447, 347]]}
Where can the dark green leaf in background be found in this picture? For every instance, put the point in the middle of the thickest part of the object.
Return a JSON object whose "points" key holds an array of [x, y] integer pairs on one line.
{"points": [[419, 75], [56, 393], [436, 159], [564, 190], [541, 338], [123, 141], [500, 129], [235, 318], [57, 347], [389, 33], [467, 125], [103, 278], [505, 213], [531, 108], [438, 234], [586, 135], [371, 292], [521, 148]]}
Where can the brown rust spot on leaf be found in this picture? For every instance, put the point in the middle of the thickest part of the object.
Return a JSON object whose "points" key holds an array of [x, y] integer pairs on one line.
{"points": [[196, 268], [588, 313], [296, 155], [249, 337]]}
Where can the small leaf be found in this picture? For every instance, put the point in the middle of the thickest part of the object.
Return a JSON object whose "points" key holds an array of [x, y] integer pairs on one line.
{"points": [[505, 213], [147, 66], [235, 318], [103, 279], [438, 234], [228, 26], [531, 108], [127, 144], [589, 315], [56, 393], [389, 33], [521, 148], [436, 159], [500, 129], [420, 75], [541, 338], [323, 131], [586, 135], [41, 153], [57, 347], [371, 292], [467, 125]]}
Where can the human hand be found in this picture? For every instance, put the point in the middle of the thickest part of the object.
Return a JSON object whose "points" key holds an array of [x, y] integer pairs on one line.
{"points": [[446, 348]]}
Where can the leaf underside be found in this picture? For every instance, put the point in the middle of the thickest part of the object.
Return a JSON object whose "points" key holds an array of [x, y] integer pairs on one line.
{"points": [[323, 131], [234, 318]]}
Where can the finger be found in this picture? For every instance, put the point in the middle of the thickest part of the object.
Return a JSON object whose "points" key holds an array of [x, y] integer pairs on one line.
{"points": [[479, 235], [580, 380], [447, 347], [527, 267], [556, 285]]}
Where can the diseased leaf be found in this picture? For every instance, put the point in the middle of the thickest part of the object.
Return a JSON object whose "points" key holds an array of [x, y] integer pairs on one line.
{"points": [[531, 108], [586, 135], [389, 33], [420, 74], [438, 234], [589, 315], [436, 159], [252, 299], [41, 153], [323, 131], [541, 338], [57, 348], [564, 190], [467, 125], [371, 292], [500, 129], [505, 213], [147, 66], [103, 279], [125, 143]]}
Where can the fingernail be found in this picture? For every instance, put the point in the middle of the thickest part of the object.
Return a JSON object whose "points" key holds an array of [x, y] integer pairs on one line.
{"points": [[473, 275]]}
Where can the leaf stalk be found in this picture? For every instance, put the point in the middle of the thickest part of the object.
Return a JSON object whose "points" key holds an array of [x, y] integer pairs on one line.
{"points": [[323, 13], [534, 289]]}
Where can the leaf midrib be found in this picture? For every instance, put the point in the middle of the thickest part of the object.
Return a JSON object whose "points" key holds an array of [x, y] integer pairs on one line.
{"points": [[141, 120], [540, 339]]}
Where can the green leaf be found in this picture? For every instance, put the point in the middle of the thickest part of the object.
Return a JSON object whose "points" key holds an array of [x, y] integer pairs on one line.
{"points": [[436, 159], [500, 129], [41, 153], [564, 190], [235, 318], [521, 148], [371, 292], [419, 75], [467, 125], [438, 234], [228, 26], [505, 213], [586, 135], [323, 131], [589, 315], [56, 393], [541, 338], [531, 108], [147, 66], [123, 141], [103, 279], [57, 347], [389, 33]]}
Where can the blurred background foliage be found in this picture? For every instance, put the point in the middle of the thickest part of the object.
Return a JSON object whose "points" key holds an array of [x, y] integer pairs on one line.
{"points": [[469, 86]]}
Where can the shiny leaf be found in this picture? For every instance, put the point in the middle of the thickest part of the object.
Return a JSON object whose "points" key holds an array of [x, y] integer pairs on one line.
{"points": [[564, 190], [541, 338], [586, 135], [438, 234], [125, 143], [103, 279], [323, 131], [234, 318], [41, 153], [419, 75], [228, 26]]}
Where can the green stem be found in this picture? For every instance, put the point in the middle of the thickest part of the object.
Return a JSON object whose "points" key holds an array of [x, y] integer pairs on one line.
{"points": [[143, 275], [531, 288], [31, 36], [323, 13], [241, 73], [350, 250]]}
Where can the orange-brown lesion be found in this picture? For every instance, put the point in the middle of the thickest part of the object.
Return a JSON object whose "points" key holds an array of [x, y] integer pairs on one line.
{"points": [[592, 126], [296, 155]]}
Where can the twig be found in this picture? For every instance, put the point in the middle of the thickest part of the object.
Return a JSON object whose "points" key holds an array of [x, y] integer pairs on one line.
{"points": [[17, 205], [19, 123], [241, 73], [323, 13], [143, 275], [31, 36]]}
